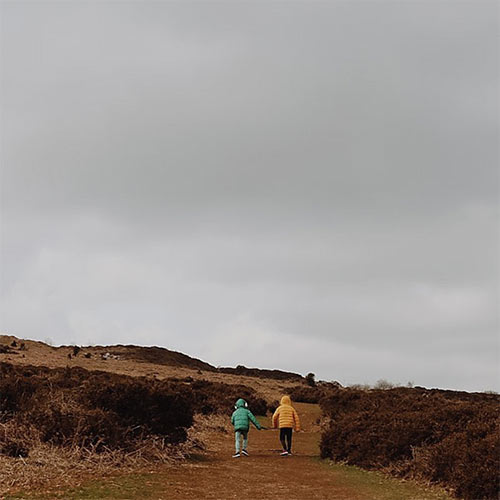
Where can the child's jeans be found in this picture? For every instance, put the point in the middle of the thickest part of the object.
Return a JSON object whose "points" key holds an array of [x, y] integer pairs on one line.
{"points": [[237, 435]]}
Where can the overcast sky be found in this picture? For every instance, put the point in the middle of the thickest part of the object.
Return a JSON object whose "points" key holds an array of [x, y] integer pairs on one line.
{"points": [[309, 186]]}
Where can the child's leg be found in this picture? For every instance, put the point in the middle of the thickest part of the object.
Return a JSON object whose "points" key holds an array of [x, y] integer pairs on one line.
{"points": [[237, 441], [245, 439], [289, 436], [282, 438]]}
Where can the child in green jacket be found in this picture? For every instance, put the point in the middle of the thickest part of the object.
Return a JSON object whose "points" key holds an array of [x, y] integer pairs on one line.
{"points": [[241, 419]]}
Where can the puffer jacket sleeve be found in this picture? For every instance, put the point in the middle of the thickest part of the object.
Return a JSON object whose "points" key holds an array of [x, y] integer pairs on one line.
{"points": [[253, 419], [296, 420], [276, 416]]}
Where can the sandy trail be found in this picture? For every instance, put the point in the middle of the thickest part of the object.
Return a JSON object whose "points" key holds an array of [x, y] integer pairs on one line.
{"points": [[264, 474]]}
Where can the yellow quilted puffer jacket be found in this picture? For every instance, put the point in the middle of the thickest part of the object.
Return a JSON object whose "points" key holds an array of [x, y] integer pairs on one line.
{"points": [[285, 415]]}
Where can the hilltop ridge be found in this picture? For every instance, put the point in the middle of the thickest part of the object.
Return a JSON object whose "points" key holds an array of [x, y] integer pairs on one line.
{"points": [[95, 357]]}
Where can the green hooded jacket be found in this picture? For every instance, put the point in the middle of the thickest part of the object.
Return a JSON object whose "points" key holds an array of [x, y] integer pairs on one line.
{"points": [[242, 417]]}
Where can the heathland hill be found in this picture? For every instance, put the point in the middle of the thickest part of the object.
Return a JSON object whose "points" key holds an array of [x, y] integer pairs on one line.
{"points": [[107, 357], [74, 415]]}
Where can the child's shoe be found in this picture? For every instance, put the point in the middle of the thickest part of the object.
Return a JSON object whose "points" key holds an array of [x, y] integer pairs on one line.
{"points": [[245, 452], [236, 455], [284, 453]]}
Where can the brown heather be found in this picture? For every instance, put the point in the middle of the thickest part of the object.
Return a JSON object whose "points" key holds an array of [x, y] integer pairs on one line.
{"points": [[445, 437]]}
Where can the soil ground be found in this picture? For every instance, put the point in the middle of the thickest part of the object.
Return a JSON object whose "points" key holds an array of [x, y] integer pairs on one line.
{"points": [[264, 475]]}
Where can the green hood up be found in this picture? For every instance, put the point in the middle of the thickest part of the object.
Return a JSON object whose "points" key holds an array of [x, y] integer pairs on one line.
{"points": [[242, 417]]}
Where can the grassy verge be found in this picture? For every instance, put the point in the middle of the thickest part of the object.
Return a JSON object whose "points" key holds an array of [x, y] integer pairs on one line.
{"points": [[375, 485], [121, 487], [368, 485]]}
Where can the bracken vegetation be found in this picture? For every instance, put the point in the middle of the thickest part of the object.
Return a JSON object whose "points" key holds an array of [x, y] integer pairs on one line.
{"points": [[101, 411], [97, 410], [449, 438], [313, 394], [261, 373]]}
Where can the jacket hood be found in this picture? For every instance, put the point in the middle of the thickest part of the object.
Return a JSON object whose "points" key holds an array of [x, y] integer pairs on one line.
{"points": [[285, 400], [241, 403]]}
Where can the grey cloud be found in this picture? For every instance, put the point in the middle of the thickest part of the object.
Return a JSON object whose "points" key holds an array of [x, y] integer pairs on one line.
{"points": [[321, 176]]}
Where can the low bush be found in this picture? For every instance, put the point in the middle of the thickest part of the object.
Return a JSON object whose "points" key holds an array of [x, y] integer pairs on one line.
{"points": [[14, 440], [261, 373], [306, 394], [74, 407], [446, 437], [149, 406], [215, 397], [105, 411]]}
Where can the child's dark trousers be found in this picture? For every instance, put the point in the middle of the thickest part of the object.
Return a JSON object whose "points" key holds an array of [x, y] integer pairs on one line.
{"points": [[286, 438]]}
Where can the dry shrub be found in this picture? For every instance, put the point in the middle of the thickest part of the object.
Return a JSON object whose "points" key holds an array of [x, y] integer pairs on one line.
{"points": [[205, 427], [48, 465], [73, 407], [80, 426], [261, 373], [468, 461], [306, 394], [76, 408], [15, 388], [149, 406], [446, 437], [215, 397], [54, 466], [15, 440], [62, 426], [274, 405], [313, 393]]}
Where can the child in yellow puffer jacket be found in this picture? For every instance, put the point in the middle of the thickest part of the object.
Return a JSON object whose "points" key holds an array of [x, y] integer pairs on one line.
{"points": [[287, 419]]}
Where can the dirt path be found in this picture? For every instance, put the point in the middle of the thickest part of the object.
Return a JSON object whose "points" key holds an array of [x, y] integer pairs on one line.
{"points": [[264, 475]]}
